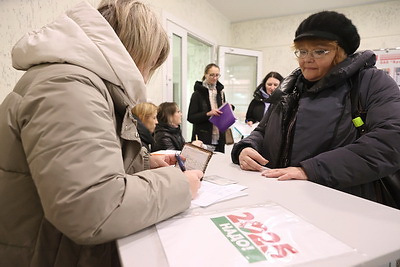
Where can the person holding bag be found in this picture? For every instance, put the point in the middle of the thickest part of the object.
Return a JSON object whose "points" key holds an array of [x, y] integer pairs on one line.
{"points": [[309, 133]]}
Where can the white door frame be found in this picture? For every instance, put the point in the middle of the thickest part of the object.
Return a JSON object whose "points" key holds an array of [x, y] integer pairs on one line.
{"points": [[240, 51]]}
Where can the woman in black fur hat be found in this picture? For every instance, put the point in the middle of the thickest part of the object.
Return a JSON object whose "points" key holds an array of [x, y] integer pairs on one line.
{"points": [[312, 128]]}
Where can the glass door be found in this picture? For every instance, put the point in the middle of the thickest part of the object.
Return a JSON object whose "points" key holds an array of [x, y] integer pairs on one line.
{"points": [[185, 65], [241, 72], [176, 70]]}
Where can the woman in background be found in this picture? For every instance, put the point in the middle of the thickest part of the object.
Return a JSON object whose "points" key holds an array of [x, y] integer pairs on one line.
{"points": [[168, 133], [146, 115], [207, 97], [260, 103]]}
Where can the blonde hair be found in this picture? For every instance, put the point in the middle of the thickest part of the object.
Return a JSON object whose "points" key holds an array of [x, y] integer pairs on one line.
{"points": [[144, 110], [139, 30], [340, 53]]}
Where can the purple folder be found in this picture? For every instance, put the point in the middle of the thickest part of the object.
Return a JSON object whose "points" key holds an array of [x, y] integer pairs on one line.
{"points": [[225, 120]]}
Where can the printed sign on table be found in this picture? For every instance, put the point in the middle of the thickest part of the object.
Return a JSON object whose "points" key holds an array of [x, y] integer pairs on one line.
{"points": [[262, 235]]}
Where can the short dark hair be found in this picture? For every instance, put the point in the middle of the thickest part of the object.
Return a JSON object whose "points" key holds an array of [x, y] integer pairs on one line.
{"points": [[165, 111]]}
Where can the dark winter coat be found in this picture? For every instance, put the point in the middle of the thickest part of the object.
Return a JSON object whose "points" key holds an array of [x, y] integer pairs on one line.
{"points": [[255, 111], [146, 137], [197, 114], [168, 137], [309, 125]]}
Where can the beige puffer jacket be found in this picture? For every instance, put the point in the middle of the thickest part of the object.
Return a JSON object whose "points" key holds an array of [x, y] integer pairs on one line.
{"points": [[72, 172]]}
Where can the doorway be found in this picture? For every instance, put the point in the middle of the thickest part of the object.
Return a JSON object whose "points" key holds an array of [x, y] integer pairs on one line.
{"points": [[241, 71], [189, 55]]}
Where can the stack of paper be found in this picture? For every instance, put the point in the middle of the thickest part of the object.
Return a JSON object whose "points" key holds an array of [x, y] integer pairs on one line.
{"points": [[210, 193]]}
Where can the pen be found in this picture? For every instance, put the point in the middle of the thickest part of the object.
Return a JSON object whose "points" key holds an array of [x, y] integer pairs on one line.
{"points": [[180, 162], [197, 138]]}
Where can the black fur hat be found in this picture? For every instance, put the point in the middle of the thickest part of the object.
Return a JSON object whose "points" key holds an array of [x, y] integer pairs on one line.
{"points": [[330, 25]]}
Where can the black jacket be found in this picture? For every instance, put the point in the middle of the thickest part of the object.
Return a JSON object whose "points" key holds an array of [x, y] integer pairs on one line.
{"points": [[198, 107], [255, 111], [168, 137], [146, 137], [309, 125]]}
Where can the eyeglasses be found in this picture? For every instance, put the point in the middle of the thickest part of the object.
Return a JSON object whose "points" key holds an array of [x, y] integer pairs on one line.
{"points": [[317, 53], [216, 75]]}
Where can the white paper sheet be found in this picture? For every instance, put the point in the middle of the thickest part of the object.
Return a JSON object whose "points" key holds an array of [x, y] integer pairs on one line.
{"points": [[243, 128], [210, 193]]}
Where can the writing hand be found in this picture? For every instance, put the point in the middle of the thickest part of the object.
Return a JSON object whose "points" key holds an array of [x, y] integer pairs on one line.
{"points": [[193, 177], [157, 161], [197, 143]]}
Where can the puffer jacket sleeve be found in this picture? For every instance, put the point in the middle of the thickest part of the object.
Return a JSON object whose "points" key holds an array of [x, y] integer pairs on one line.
{"points": [[250, 111], [375, 154], [75, 158]]}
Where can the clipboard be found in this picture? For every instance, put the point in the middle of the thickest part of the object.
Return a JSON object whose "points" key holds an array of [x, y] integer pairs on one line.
{"points": [[197, 158]]}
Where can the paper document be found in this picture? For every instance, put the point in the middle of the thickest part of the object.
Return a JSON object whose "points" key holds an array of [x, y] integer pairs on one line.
{"points": [[210, 193], [243, 128], [216, 179]]}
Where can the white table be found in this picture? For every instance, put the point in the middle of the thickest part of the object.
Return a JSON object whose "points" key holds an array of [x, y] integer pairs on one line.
{"points": [[372, 229]]}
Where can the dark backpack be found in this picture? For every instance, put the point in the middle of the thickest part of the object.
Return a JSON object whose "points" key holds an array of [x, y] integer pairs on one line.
{"points": [[387, 189]]}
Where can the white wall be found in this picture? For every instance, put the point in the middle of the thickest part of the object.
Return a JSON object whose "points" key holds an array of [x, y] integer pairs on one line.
{"points": [[377, 24], [20, 16]]}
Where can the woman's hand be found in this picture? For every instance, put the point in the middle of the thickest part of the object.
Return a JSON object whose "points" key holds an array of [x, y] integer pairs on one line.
{"points": [[197, 143], [214, 112], [250, 123], [250, 160], [289, 173], [157, 161], [193, 177]]}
